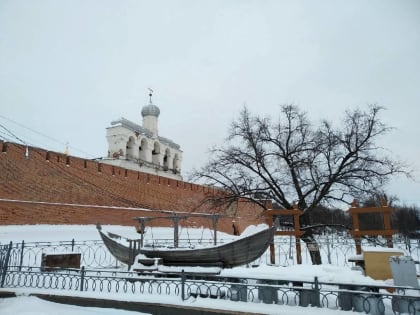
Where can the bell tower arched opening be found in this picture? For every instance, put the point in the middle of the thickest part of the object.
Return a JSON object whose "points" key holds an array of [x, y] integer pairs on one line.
{"points": [[176, 164], [143, 150], [156, 153], [130, 148], [167, 163]]}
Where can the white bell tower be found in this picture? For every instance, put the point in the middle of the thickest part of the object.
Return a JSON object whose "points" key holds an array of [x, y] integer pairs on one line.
{"points": [[150, 115]]}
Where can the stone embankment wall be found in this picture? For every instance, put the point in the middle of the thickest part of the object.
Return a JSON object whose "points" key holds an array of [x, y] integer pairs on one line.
{"points": [[44, 187]]}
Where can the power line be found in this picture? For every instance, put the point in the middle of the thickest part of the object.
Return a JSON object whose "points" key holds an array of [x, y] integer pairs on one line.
{"points": [[13, 135], [12, 138], [42, 135], [5, 136]]}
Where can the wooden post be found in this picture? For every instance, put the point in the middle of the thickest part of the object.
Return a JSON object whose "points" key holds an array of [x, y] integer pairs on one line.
{"points": [[387, 223], [298, 251], [269, 220], [175, 219], [356, 226], [214, 223], [358, 243], [142, 230], [272, 254]]}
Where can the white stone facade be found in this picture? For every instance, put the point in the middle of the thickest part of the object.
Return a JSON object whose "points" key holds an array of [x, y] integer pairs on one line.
{"points": [[140, 148]]}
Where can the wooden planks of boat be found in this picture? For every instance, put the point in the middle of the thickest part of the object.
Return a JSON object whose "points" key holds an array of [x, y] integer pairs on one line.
{"points": [[236, 253]]}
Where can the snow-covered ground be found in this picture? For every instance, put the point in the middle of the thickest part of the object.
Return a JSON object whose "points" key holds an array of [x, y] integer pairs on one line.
{"points": [[30, 305], [27, 305]]}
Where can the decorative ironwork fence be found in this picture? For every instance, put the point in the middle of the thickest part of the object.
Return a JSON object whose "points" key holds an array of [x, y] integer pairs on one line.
{"points": [[335, 249], [366, 298], [94, 253]]}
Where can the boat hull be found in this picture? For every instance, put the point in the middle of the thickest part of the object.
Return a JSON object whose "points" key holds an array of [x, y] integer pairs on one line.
{"points": [[236, 253], [124, 254]]}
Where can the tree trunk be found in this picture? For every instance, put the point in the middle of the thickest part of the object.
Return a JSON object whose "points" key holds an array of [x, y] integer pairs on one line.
{"points": [[309, 239], [313, 248]]}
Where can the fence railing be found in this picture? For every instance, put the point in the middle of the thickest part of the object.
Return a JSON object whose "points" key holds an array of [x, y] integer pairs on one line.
{"points": [[363, 298], [334, 249], [20, 267]]}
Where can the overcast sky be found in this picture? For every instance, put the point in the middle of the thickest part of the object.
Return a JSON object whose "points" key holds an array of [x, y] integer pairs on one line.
{"points": [[68, 68]]}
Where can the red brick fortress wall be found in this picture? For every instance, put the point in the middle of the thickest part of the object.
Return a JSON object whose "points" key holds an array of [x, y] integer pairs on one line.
{"points": [[44, 187]]}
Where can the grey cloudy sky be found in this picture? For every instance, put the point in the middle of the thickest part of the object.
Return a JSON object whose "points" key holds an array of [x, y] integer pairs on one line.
{"points": [[68, 68]]}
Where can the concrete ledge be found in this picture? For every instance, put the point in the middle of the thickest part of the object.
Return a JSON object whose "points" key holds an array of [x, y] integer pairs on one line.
{"points": [[152, 308], [7, 294]]}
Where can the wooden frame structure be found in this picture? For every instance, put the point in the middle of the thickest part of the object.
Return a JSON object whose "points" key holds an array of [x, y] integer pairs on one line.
{"points": [[270, 216], [175, 219], [386, 232]]}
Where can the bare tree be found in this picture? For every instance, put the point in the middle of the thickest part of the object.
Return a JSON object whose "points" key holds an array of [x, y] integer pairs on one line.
{"points": [[407, 220], [290, 160]]}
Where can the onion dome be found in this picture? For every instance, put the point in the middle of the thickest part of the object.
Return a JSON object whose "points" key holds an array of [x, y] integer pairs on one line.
{"points": [[150, 110]]}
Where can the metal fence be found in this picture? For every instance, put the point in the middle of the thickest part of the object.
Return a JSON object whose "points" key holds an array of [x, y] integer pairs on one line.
{"points": [[370, 299], [20, 268], [94, 254], [335, 249]]}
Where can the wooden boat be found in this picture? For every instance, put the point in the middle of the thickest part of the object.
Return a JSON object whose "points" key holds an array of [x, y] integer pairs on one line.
{"points": [[124, 254], [236, 253]]}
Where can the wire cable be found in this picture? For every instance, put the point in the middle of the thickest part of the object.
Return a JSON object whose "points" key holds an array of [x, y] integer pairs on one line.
{"points": [[43, 135], [13, 135]]}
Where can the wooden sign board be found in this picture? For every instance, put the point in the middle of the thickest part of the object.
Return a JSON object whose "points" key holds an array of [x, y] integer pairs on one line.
{"points": [[55, 261]]}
